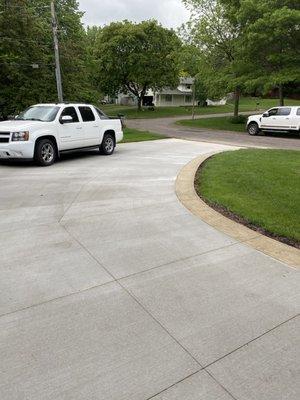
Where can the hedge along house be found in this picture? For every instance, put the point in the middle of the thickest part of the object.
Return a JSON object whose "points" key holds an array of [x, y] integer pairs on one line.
{"points": [[167, 97]]}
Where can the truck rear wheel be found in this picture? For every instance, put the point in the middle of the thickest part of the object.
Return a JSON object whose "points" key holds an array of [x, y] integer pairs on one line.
{"points": [[108, 144], [45, 152]]}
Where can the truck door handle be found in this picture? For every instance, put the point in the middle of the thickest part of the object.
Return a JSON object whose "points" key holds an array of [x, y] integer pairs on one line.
{"points": [[78, 128], [95, 126]]}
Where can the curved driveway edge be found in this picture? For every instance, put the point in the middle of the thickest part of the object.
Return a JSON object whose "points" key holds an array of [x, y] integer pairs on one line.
{"points": [[186, 193]]}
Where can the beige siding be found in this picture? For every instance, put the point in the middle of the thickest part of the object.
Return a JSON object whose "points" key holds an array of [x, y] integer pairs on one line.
{"points": [[177, 100]]}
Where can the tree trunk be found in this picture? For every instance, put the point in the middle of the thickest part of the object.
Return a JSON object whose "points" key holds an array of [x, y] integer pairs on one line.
{"points": [[140, 101], [236, 102], [281, 98], [194, 98]]}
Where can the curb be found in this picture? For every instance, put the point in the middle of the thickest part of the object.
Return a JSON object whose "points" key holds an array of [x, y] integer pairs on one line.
{"points": [[187, 195]]}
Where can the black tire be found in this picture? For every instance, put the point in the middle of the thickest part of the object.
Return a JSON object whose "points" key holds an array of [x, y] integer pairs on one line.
{"points": [[45, 152], [108, 144], [253, 129]]}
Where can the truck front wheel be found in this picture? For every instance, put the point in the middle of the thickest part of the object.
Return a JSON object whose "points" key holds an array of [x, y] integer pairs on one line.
{"points": [[45, 152], [253, 129]]}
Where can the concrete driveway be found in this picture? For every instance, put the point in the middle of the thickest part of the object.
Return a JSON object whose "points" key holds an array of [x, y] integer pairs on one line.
{"points": [[111, 290]]}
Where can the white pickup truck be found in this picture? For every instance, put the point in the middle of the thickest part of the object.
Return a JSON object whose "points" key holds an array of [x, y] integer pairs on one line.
{"points": [[44, 131], [285, 119]]}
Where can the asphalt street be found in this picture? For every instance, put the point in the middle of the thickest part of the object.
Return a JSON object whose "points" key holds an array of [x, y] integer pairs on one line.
{"points": [[168, 127]]}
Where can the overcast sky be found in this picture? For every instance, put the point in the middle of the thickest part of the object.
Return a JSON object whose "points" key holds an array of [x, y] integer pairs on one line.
{"points": [[171, 13]]}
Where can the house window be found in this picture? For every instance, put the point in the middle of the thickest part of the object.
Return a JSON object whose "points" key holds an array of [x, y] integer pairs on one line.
{"points": [[188, 86], [188, 99], [169, 98]]}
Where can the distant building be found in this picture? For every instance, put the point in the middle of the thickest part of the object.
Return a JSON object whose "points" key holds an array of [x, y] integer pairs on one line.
{"points": [[127, 99], [180, 96], [168, 97], [221, 102]]}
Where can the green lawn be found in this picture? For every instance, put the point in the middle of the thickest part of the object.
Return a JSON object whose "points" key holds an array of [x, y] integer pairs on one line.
{"points": [[134, 135], [261, 186], [220, 123], [247, 104]]}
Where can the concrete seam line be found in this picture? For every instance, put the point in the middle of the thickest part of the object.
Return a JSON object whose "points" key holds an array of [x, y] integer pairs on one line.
{"points": [[186, 378], [251, 341], [175, 384], [157, 321], [186, 193]]}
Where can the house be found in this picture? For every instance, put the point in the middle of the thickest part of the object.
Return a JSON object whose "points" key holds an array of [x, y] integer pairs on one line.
{"points": [[221, 102], [127, 99], [167, 97], [180, 96]]}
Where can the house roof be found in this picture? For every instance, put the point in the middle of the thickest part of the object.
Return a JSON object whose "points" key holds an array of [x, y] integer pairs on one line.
{"points": [[186, 80], [180, 89]]}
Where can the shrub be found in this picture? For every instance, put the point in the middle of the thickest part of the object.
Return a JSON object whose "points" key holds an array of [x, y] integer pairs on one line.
{"points": [[241, 119]]}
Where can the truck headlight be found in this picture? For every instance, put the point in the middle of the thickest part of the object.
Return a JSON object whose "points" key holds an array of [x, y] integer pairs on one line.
{"points": [[20, 136]]}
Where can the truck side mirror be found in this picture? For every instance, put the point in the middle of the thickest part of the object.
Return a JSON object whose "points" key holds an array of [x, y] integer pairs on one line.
{"points": [[266, 114], [66, 119]]}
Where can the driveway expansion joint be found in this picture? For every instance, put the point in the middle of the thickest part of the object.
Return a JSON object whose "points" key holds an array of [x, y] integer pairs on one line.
{"points": [[136, 300], [251, 341]]}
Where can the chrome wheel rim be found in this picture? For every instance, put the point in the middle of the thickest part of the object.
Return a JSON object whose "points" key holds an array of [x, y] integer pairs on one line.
{"points": [[47, 152], [109, 145], [252, 130]]}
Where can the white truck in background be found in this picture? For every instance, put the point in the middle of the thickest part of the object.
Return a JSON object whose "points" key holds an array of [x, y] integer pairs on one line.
{"points": [[44, 131], [282, 119]]}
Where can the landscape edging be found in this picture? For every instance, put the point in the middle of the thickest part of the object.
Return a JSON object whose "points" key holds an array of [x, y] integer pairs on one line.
{"points": [[186, 193]]}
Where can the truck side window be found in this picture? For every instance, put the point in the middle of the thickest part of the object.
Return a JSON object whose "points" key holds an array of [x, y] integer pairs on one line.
{"points": [[101, 113], [284, 111], [70, 111], [86, 114], [298, 111], [273, 111]]}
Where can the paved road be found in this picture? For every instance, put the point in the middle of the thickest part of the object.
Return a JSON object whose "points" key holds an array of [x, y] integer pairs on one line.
{"points": [[111, 290], [168, 127]]}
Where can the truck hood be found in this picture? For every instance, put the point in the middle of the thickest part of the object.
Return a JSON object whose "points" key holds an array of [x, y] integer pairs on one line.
{"points": [[15, 125], [255, 116]]}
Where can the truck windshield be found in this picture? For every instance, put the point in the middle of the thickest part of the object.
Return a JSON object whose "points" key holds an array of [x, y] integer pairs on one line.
{"points": [[39, 113]]}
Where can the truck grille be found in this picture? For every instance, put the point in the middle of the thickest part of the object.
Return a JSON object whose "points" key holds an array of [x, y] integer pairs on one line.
{"points": [[4, 137]]}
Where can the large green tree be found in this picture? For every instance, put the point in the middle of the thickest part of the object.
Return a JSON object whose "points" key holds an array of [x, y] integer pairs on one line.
{"points": [[270, 42], [190, 59], [218, 38], [27, 70], [133, 58]]}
